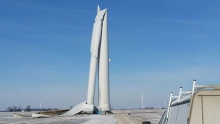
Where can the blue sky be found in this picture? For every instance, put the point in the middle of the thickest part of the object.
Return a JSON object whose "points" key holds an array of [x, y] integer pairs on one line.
{"points": [[156, 46]]}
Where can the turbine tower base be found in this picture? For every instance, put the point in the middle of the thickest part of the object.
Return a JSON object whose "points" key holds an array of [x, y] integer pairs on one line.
{"points": [[89, 109]]}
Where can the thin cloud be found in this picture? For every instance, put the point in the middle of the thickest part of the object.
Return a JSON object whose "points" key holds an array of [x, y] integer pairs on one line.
{"points": [[204, 74], [191, 22], [43, 7], [185, 21]]}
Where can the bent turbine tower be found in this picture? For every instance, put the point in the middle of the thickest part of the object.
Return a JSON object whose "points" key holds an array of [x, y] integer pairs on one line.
{"points": [[99, 64]]}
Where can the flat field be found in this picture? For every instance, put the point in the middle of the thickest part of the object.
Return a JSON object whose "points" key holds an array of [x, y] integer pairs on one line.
{"points": [[118, 117]]}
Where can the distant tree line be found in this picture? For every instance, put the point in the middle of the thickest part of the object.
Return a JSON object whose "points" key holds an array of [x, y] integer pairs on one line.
{"points": [[17, 109], [28, 108], [13, 109]]}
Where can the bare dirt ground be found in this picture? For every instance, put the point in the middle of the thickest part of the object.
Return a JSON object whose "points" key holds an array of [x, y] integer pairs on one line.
{"points": [[119, 117]]}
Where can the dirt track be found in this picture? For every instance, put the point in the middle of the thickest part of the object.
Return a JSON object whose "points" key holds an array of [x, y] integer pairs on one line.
{"points": [[125, 119], [139, 116]]}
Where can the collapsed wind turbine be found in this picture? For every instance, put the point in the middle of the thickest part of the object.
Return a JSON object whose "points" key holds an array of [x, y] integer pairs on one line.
{"points": [[99, 64]]}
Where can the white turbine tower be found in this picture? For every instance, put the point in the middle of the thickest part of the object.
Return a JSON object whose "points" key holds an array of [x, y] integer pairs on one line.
{"points": [[99, 65], [142, 101], [165, 104]]}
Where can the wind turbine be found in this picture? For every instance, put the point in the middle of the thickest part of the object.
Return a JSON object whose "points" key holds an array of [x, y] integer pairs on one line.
{"points": [[142, 101], [99, 65]]}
